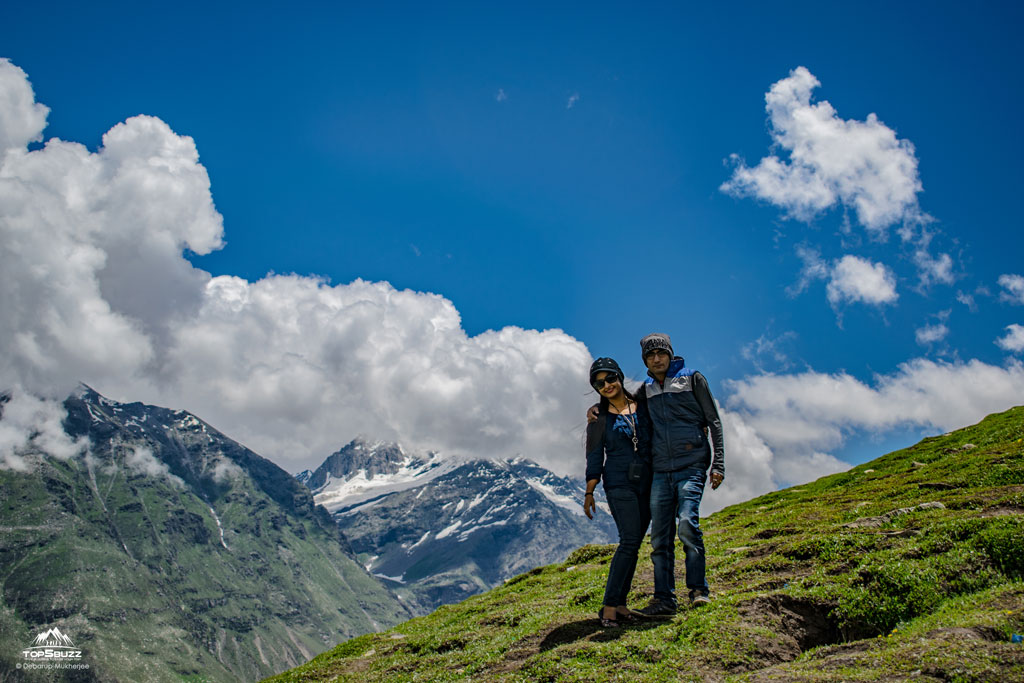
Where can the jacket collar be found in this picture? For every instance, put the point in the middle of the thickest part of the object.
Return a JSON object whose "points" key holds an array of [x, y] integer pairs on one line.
{"points": [[674, 367]]}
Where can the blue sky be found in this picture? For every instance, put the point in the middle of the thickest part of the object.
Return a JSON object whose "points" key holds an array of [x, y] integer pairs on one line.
{"points": [[563, 167]]}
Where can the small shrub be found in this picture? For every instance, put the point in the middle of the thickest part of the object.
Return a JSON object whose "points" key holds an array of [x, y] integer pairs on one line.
{"points": [[1003, 541], [888, 591], [590, 552], [1002, 475], [830, 548], [525, 575], [942, 537], [961, 529], [353, 647], [965, 570], [583, 598]]}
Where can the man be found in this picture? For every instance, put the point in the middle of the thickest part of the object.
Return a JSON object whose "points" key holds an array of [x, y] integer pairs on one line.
{"points": [[682, 410]]}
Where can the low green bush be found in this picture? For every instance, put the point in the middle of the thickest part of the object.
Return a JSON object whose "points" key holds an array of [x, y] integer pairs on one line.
{"points": [[833, 548], [888, 590], [1003, 541], [589, 553]]}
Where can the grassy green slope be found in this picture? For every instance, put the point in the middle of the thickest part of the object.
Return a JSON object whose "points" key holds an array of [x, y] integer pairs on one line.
{"points": [[909, 566]]}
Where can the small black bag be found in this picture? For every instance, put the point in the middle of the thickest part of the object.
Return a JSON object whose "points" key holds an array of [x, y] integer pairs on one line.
{"points": [[636, 472]]}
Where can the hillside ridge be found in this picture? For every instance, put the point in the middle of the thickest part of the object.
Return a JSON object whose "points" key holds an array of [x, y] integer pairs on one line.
{"points": [[906, 567], [166, 550]]}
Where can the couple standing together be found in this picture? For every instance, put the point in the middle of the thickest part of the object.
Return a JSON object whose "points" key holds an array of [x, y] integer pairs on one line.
{"points": [[653, 454]]}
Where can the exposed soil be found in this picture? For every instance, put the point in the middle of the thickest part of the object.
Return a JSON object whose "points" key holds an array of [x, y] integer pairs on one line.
{"points": [[1002, 511], [976, 633], [799, 624], [519, 653], [772, 533]]}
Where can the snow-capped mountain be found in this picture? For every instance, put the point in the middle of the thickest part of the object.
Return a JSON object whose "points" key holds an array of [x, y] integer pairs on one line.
{"points": [[441, 529], [365, 471]]}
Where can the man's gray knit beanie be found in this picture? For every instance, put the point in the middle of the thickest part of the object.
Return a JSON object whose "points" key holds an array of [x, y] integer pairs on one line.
{"points": [[653, 342]]}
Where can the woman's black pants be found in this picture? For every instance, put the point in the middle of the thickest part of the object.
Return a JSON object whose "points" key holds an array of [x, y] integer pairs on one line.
{"points": [[631, 509]]}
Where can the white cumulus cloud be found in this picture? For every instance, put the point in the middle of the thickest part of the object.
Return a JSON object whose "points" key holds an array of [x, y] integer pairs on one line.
{"points": [[814, 268], [934, 332], [293, 365], [768, 350], [91, 249], [22, 119], [930, 334], [32, 426], [802, 415], [933, 269], [1013, 286], [142, 461], [832, 161], [751, 468], [1013, 340], [853, 279]]}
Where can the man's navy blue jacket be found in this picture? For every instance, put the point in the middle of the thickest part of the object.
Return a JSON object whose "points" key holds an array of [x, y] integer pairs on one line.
{"points": [[681, 411]]}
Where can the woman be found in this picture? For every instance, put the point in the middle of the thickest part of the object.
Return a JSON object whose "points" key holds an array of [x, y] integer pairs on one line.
{"points": [[619, 451]]}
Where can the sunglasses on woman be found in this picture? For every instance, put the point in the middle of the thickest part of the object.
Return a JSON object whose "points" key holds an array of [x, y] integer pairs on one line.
{"points": [[599, 383]]}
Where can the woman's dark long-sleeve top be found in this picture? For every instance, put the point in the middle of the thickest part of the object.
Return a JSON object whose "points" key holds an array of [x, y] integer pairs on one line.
{"points": [[610, 446]]}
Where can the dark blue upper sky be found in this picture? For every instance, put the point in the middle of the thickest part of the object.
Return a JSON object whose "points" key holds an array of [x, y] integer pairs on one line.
{"points": [[558, 166]]}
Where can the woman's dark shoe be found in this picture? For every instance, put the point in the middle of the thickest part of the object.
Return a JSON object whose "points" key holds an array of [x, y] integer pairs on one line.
{"points": [[628, 616], [606, 623]]}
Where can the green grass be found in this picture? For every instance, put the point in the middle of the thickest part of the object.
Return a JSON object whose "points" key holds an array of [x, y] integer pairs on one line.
{"points": [[820, 582]]}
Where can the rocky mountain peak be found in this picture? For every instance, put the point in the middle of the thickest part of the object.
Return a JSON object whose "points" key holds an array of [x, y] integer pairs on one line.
{"points": [[441, 528], [359, 455]]}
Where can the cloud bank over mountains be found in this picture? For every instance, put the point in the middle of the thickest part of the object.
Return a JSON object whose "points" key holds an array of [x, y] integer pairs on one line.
{"points": [[805, 414], [97, 289]]}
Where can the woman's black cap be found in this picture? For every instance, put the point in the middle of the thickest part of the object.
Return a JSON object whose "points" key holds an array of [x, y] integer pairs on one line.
{"points": [[606, 365]]}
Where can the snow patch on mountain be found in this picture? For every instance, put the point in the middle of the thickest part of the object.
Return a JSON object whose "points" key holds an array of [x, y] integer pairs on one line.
{"points": [[448, 530], [396, 579], [364, 490], [465, 534], [560, 499]]}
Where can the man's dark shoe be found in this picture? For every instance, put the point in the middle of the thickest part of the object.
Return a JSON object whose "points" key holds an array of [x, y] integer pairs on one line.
{"points": [[699, 598], [658, 608]]}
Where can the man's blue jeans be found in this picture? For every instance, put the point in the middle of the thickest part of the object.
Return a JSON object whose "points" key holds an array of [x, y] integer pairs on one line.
{"points": [[675, 502]]}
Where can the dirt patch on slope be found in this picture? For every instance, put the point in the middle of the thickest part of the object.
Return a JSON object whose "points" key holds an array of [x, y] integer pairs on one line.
{"points": [[799, 624]]}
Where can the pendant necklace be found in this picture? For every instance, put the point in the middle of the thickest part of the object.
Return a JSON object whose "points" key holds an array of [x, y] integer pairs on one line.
{"points": [[631, 421]]}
